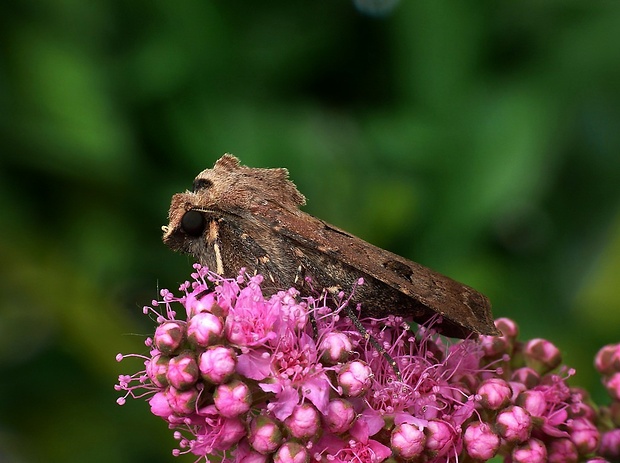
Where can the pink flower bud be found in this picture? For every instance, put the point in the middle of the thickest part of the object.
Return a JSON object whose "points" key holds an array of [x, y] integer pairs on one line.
{"points": [[532, 451], [232, 399], [204, 304], [612, 384], [340, 416], [584, 434], [481, 443], [304, 423], [562, 451], [156, 369], [508, 327], [182, 371], [610, 445], [514, 424], [584, 410], [182, 402], [217, 364], [495, 393], [354, 378], [496, 346], [527, 376], [407, 441], [291, 452], [246, 454], [607, 360], [614, 414], [439, 438], [204, 329], [292, 310], [533, 401], [231, 430], [159, 405], [542, 355], [265, 435], [169, 336], [336, 347]]}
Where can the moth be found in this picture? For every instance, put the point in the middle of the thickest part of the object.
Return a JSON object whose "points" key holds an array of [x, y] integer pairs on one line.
{"points": [[238, 216]]}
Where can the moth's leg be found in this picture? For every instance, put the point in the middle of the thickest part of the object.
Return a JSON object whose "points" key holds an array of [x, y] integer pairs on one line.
{"points": [[373, 341], [300, 274]]}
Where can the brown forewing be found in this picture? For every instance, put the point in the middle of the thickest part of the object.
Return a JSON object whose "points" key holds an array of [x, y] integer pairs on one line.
{"points": [[252, 219]]}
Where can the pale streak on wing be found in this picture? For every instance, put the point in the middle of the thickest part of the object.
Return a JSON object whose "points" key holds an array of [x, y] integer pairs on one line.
{"points": [[213, 238]]}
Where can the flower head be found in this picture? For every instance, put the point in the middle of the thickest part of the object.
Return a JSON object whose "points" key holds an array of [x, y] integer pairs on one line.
{"points": [[250, 378]]}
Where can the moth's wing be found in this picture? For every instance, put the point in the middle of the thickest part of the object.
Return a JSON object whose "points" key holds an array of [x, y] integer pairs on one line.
{"points": [[455, 301], [254, 244]]}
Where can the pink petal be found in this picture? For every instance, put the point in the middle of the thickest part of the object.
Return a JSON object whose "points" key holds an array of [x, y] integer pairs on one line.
{"points": [[256, 364]]}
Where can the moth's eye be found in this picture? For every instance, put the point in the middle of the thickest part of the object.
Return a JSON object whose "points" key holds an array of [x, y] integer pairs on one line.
{"points": [[201, 184], [193, 223]]}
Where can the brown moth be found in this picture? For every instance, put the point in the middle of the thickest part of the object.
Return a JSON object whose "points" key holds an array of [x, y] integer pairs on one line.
{"points": [[238, 216]]}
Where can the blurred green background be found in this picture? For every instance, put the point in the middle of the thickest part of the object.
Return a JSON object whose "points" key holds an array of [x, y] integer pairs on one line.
{"points": [[481, 139]]}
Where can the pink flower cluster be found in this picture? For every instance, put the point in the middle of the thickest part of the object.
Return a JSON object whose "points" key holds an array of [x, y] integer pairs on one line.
{"points": [[607, 363], [250, 379], [529, 414]]}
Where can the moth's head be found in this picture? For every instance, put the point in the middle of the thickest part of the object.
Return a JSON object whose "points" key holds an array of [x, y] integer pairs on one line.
{"points": [[226, 189], [186, 223]]}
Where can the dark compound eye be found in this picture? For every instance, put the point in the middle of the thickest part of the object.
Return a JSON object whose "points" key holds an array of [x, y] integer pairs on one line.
{"points": [[193, 223], [201, 184]]}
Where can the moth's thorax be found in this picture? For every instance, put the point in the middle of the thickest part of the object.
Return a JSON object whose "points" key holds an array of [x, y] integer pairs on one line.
{"points": [[229, 185], [213, 189]]}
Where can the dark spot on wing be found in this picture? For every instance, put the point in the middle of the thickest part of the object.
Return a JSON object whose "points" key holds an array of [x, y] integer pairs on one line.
{"points": [[399, 269]]}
